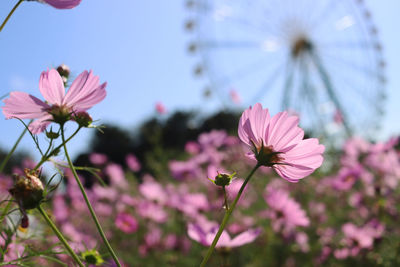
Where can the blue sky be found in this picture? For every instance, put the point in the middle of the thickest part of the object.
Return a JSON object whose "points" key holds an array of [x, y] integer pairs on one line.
{"points": [[139, 48]]}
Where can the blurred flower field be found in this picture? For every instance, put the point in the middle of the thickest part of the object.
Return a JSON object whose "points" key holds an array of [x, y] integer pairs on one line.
{"points": [[344, 214]]}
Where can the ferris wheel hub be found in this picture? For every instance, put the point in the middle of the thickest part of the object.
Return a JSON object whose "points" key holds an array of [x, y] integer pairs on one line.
{"points": [[300, 46]]}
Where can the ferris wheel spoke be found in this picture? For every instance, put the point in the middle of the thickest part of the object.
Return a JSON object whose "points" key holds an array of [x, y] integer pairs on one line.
{"points": [[330, 89], [353, 86], [323, 15], [241, 73], [231, 44], [310, 94], [247, 25], [346, 63], [307, 12], [268, 83], [287, 88], [348, 45], [266, 24]]}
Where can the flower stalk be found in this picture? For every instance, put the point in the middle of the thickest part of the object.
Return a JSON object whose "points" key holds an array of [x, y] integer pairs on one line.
{"points": [[91, 210], [10, 14], [60, 236], [3, 165], [226, 217]]}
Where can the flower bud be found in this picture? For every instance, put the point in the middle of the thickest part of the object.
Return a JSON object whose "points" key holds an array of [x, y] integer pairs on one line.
{"points": [[52, 135], [92, 257], [24, 222], [83, 119], [223, 179], [64, 72], [27, 189]]}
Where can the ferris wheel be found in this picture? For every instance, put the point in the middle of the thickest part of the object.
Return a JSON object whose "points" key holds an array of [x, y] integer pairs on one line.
{"points": [[322, 59]]}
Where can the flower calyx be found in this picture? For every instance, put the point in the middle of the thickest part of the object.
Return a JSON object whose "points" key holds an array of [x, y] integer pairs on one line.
{"points": [[83, 119], [52, 135], [61, 114], [223, 179], [266, 156]]}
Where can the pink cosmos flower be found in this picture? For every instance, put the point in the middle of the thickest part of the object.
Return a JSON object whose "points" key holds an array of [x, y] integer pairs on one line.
{"points": [[98, 158], [83, 94], [338, 117], [285, 212], [277, 142], [153, 237], [346, 178], [358, 238], [205, 233], [126, 223], [152, 190], [152, 211], [160, 108], [133, 163], [192, 147], [117, 175], [184, 169], [62, 4], [235, 96]]}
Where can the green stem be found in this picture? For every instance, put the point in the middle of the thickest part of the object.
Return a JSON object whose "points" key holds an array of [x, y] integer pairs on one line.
{"points": [[92, 213], [5, 211], [226, 206], [10, 14], [46, 157], [60, 236], [226, 218], [3, 164]]}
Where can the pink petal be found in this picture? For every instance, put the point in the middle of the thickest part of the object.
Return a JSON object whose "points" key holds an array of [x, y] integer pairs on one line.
{"points": [[242, 132], [308, 153], [288, 133], [253, 124], [273, 129], [292, 173], [24, 106], [224, 239], [63, 4], [85, 92], [52, 87], [40, 124], [245, 237], [197, 234]]}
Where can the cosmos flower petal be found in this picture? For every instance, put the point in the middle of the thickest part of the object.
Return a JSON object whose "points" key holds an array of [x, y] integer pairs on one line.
{"points": [[308, 152], [273, 128], [52, 87], [196, 233], [224, 239], [257, 119], [23, 106], [85, 92], [293, 173], [248, 132], [245, 237], [289, 133], [40, 124], [244, 131], [63, 4]]}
